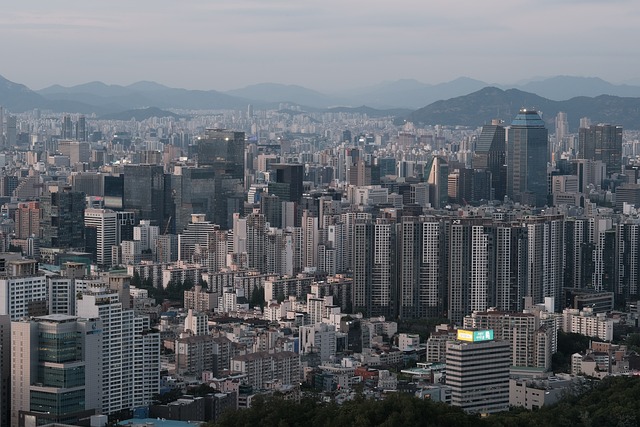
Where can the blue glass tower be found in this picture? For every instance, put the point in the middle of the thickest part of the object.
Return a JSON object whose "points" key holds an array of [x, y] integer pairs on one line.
{"points": [[527, 158]]}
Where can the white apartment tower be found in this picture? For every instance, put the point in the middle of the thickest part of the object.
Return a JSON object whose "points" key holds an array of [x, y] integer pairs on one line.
{"points": [[146, 234], [104, 222], [130, 352]]}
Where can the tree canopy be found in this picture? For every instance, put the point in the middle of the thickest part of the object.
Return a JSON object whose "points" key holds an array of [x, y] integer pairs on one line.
{"points": [[613, 402]]}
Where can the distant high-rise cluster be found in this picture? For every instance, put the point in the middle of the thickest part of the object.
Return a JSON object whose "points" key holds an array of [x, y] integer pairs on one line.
{"points": [[126, 246]]}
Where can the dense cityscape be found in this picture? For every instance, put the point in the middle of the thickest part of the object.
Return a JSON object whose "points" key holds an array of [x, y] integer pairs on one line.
{"points": [[179, 267]]}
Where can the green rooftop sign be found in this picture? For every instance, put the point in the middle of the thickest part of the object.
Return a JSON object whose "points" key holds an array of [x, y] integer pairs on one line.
{"points": [[483, 335]]}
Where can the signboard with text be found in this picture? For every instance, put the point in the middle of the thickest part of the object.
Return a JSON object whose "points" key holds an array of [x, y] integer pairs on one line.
{"points": [[475, 336]]}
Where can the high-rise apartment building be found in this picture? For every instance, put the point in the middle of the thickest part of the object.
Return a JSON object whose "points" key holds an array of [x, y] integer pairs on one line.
{"points": [[130, 351], [56, 369], [627, 259], [419, 267], [468, 267], [374, 266], [545, 257], [527, 159], [5, 368], [509, 267]]}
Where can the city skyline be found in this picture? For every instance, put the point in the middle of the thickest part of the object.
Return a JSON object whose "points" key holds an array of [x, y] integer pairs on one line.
{"points": [[323, 46]]}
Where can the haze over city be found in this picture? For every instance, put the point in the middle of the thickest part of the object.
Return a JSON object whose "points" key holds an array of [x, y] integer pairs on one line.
{"points": [[328, 45], [231, 214]]}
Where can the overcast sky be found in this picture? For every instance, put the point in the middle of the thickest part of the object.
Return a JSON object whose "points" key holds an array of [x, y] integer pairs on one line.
{"points": [[323, 44]]}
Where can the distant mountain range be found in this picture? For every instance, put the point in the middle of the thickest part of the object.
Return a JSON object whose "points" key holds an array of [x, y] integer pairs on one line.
{"points": [[478, 108], [460, 101]]}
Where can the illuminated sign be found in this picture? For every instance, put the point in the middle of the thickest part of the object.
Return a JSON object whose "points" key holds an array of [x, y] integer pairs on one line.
{"points": [[464, 335], [475, 336]]}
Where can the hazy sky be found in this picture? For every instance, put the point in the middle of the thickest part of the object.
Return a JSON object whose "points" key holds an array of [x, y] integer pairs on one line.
{"points": [[322, 44]]}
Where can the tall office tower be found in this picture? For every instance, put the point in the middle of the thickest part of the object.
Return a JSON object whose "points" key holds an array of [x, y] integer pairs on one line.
{"points": [[89, 183], [62, 218], [562, 127], [101, 234], [478, 372], [224, 150], [5, 369], [23, 290], [546, 258], [130, 352], [27, 220], [11, 135], [126, 222], [56, 370], [438, 182], [81, 129], [589, 172], [490, 155], [346, 136], [419, 262], [113, 190], [288, 181], [359, 173], [602, 142], [627, 260], [192, 242], [193, 192], [469, 265], [509, 265], [67, 128], [78, 152], [144, 192], [271, 207], [256, 241], [579, 253], [8, 184], [527, 159]]}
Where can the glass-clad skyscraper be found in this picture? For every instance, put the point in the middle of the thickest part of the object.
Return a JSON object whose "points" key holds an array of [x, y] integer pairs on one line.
{"points": [[527, 158]]}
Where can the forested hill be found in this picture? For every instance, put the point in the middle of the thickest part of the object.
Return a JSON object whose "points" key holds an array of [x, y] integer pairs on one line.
{"points": [[613, 402]]}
